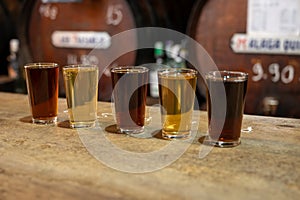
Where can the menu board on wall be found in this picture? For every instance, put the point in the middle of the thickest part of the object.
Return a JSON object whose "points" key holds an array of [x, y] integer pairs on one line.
{"points": [[273, 27], [280, 17]]}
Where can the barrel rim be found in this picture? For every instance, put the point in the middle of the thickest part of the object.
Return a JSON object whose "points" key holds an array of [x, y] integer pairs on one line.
{"points": [[37, 65], [192, 22]]}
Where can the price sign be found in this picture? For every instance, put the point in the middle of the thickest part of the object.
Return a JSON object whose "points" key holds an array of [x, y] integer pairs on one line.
{"points": [[273, 27], [114, 15], [285, 75], [48, 11]]}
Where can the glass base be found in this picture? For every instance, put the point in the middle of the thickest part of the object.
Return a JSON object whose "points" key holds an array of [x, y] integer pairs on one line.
{"points": [[82, 124], [49, 121], [223, 144], [176, 135], [131, 130]]}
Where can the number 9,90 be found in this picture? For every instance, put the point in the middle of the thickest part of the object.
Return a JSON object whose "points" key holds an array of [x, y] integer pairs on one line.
{"points": [[286, 75]]}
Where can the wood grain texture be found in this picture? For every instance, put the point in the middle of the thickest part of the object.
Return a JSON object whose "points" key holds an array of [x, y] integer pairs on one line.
{"points": [[51, 162]]}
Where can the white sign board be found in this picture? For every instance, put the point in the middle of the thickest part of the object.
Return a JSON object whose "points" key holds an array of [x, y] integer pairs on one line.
{"points": [[81, 39], [271, 44], [280, 17]]}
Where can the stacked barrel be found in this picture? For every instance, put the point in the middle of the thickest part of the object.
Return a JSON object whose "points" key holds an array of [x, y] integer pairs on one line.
{"points": [[272, 59], [47, 29]]}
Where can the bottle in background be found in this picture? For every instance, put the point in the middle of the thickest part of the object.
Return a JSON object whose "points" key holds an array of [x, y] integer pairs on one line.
{"points": [[159, 52], [153, 67], [13, 67], [14, 71], [176, 54]]}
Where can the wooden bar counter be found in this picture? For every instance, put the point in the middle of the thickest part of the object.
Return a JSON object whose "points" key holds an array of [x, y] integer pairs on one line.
{"points": [[51, 162]]}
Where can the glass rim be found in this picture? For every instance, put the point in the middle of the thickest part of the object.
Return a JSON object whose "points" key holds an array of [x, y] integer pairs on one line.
{"points": [[227, 75], [127, 69], [80, 66], [159, 65], [41, 65], [176, 70]]}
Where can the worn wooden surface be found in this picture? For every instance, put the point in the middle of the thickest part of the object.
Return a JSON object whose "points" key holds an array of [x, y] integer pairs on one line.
{"points": [[51, 162]]}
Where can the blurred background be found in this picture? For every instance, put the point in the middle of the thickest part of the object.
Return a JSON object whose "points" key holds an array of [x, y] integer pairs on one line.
{"points": [[260, 37]]}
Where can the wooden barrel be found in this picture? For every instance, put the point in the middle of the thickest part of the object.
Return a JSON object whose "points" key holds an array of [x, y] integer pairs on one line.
{"points": [[49, 26], [49, 23], [172, 14], [44, 20], [272, 60]]}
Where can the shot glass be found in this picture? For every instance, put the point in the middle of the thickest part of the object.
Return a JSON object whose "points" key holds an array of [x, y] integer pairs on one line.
{"points": [[177, 95], [42, 87], [235, 86], [81, 85], [130, 93]]}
